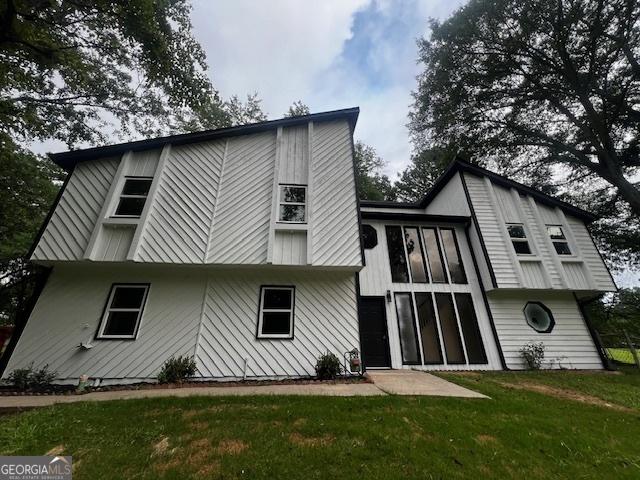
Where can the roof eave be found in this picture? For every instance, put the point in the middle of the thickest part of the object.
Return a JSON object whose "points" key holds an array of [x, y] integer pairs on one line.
{"points": [[67, 160]]}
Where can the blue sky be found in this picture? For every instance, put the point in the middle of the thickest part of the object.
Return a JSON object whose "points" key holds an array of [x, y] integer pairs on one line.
{"points": [[329, 54]]}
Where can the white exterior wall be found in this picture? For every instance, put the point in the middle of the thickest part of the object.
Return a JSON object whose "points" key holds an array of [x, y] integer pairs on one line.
{"points": [[71, 225], [325, 321], [375, 280], [217, 310], [215, 202], [568, 345], [544, 269], [69, 311]]}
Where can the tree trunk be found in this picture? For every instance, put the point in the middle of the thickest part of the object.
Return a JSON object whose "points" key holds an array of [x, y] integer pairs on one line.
{"points": [[627, 190]]}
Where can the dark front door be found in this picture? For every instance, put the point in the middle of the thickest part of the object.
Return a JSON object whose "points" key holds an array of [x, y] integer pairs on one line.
{"points": [[373, 332]]}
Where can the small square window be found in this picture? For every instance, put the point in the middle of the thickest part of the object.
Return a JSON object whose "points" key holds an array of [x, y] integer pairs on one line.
{"points": [[516, 231], [133, 196], [123, 312], [555, 232], [275, 319], [292, 204], [521, 248], [562, 248]]}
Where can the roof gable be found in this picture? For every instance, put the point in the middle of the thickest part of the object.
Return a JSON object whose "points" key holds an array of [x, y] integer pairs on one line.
{"points": [[459, 165]]}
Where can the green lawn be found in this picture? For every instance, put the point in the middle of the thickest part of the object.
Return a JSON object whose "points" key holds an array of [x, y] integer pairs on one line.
{"points": [[622, 355], [517, 434]]}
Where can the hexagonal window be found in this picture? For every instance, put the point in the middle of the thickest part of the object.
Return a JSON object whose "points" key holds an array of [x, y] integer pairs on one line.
{"points": [[369, 237], [539, 317]]}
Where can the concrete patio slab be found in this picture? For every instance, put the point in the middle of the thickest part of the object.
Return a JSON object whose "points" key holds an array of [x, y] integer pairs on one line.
{"points": [[412, 382]]}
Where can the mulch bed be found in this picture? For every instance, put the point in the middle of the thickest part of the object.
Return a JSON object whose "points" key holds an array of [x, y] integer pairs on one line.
{"points": [[9, 391]]}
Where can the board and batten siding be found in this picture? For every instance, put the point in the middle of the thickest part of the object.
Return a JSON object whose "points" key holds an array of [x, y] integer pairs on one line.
{"points": [[325, 321], [69, 311], [568, 345], [69, 229], [496, 206], [375, 280]]}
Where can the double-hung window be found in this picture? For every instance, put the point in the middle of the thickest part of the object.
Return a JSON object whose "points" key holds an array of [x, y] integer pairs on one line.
{"points": [[275, 318], [292, 204], [558, 239], [133, 196], [123, 311], [519, 239]]}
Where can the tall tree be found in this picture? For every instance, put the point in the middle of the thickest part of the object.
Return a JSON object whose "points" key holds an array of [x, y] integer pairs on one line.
{"points": [[423, 171], [249, 111], [65, 64], [541, 86], [371, 183], [297, 109]]}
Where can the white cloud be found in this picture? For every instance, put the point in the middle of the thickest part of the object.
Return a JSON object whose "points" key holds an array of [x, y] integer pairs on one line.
{"points": [[277, 48]]}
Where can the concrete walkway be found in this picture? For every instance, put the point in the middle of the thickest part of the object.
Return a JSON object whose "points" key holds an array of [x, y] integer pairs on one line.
{"points": [[412, 382], [395, 382]]}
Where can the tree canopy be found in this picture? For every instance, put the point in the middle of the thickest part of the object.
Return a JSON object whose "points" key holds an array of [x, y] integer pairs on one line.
{"points": [[297, 109], [542, 89], [371, 183]]}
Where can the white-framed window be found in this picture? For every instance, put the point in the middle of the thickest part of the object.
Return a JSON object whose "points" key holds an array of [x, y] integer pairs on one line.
{"points": [[133, 196], [518, 238], [292, 204], [560, 243], [123, 311], [275, 318]]}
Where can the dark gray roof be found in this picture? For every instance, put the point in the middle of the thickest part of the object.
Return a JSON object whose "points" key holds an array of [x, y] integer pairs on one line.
{"points": [[68, 160], [462, 165]]}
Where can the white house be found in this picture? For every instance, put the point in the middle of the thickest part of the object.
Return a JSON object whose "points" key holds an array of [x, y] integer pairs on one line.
{"points": [[247, 248]]}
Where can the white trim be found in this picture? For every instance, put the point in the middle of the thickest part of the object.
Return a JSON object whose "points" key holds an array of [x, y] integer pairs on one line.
{"points": [[151, 199], [108, 309], [281, 202], [289, 310]]}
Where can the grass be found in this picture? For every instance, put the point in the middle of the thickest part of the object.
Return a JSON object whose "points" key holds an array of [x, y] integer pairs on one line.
{"points": [[518, 433], [621, 355]]}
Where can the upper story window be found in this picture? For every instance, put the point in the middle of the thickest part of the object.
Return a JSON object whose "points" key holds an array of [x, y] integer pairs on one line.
{"points": [[423, 255], [558, 239], [292, 204], [275, 319], [123, 311], [133, 196], [519, 239]]}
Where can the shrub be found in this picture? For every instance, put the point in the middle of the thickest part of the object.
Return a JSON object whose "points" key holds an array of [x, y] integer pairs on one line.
{"points": [[328, 366], [30, 378], [177, 369], [533, 354]]}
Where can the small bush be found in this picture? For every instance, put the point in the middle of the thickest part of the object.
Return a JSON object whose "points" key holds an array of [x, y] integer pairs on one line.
{"points": [[533, 354], [177, 369], [30, 378], [328, 366]]}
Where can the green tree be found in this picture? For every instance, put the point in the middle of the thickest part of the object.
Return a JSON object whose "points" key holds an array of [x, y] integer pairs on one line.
{"points": [[618, 312], [423, 171], [297, 109], [541, 87], [66, 66], [372, 185], [249, 111]]}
